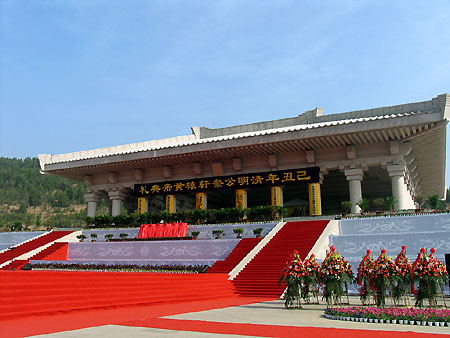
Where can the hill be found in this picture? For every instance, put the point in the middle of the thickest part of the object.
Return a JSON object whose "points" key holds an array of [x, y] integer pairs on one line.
{"points": [[29, 198]]}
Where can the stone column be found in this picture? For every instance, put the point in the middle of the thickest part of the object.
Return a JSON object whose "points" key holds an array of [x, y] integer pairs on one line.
{"points": [[92, 199], [117, 197], [354, 178], [399, 189]]}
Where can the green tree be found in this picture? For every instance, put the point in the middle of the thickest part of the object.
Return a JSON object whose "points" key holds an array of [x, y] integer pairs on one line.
{"points": [[433, 200], [420, 200]]}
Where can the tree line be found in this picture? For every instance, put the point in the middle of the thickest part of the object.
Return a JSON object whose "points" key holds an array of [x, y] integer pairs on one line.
{"points": [[23, 186]]}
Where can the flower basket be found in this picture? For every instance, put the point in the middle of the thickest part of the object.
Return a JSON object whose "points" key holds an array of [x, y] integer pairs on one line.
{"points": [[334, 275], [431, 276], [382, 277]]}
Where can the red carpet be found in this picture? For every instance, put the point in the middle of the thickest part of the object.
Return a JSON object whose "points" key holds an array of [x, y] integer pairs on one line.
{"points": [[29, 246], [259, 330], [148, 317], [241, 250], [35, 325], [259, 278], [26, 293]]}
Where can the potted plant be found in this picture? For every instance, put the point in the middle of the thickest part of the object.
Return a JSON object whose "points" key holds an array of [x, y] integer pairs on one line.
{"points": [[258, 232], [363, 204], [238, 232], [94, 237], [390, 201], [123, 235], [195, 234], [109, 237], [81, 237], [218, 233]]}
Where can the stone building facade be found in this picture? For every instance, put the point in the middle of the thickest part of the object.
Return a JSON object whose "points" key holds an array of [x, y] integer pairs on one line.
{"points": [[389, 151]]}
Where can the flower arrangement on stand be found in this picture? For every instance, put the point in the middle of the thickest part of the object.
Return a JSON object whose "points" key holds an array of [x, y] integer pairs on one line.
{"points": [[310, 280], [383, 277], [401, 289], [365, 271], [431, 276], [292, 278], [334, 275]]}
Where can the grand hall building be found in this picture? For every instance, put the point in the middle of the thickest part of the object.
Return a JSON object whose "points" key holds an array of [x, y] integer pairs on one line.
{"points": [[308, 163]]}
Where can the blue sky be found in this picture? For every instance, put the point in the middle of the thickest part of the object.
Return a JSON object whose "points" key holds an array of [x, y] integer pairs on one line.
{"points": [[83, 74]]}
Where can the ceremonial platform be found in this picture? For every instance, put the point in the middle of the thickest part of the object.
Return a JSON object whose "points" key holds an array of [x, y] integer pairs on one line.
{"points": [[237, 296]]}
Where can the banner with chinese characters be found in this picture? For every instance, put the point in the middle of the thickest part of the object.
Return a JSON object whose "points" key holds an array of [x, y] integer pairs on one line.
{"points": [[141, 205], [241, 181], [241, 198], [170, 204], [315, 207], [200, 201], [276, 196]]}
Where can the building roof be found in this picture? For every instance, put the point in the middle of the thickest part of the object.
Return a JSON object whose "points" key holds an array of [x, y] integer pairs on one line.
{"points": [[311, 130]]}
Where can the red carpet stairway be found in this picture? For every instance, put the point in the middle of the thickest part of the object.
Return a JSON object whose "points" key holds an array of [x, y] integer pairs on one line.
{"points": [[27, 247], [259, 278], [26, 293], [241, 250]]}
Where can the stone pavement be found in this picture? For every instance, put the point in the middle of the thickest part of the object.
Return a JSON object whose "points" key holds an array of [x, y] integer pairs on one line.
{"points": [[268, 313]]}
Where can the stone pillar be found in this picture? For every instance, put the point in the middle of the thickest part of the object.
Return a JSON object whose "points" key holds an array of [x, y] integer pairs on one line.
{"points": [[241, 198], [117, 197], [354, 178], [92, 199], [399, 189]]}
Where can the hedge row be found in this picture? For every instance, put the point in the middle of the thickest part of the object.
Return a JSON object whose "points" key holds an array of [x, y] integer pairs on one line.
{"points": [[196, 216]]}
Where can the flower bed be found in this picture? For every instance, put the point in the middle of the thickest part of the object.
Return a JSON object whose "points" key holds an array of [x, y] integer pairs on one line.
{"points": [[122, 268], [411, 316]]}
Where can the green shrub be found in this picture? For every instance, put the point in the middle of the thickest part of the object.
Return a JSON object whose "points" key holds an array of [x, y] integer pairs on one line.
{"points": [[346, 206], [81, 237], [199, 215], [379, 204], [218, 233], [258, 231], [390, 202], [238, 232], [363, 204]]}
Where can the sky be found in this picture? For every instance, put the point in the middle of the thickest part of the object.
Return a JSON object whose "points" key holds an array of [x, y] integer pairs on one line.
{"points": [[83, 74]]}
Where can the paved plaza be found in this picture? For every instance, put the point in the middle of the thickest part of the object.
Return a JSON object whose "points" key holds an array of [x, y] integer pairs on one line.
{"points": [[271, 313]]}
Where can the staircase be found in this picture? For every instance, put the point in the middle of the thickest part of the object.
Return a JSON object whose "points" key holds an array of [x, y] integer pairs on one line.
{"points": [[34, 244], [259, 278], [241, 250], [30, 293], [55, 252]]}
